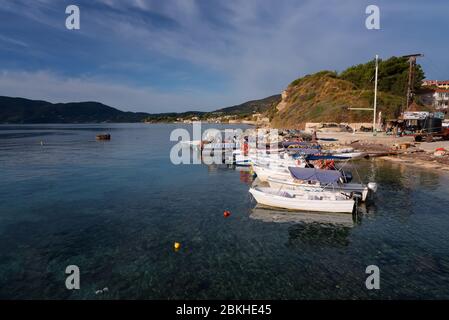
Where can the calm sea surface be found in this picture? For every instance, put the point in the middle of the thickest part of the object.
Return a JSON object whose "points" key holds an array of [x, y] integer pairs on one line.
{"points": [[115, 209]]}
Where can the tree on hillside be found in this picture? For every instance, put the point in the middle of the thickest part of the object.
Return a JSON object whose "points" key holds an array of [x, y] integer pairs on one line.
{"points": [[393, 75]]}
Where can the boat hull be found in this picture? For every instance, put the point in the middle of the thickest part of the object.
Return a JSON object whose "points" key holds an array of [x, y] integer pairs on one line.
{"points": [[293, 203], [351, 155]]}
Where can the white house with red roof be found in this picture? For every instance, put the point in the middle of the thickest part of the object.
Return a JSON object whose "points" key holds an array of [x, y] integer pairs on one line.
{"points": [[437, 94]]}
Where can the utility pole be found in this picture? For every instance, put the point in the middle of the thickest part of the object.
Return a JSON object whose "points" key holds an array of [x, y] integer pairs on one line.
{"points": [[374, 108], [411, 76], [375, 93]]}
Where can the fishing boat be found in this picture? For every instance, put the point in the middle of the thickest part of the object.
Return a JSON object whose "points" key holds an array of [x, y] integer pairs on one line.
{"points": [[318, 180], [303, 201]]}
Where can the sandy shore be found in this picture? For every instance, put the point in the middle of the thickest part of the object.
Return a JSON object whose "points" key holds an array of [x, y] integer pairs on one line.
{"points": [[417, 154]]}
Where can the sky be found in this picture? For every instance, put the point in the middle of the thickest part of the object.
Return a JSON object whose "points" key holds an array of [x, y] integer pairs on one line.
{"points": [[179, 55]]}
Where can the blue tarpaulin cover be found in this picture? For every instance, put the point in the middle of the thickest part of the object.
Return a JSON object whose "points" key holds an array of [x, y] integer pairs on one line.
{"points": [[312, 174]]}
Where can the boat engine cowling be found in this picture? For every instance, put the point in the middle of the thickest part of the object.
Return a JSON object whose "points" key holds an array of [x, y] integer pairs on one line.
{"points": [[372, 186], [357, 196]]}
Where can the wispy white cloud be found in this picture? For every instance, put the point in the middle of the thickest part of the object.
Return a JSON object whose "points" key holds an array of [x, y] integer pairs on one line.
{"points": [[257, 46], [15, 42]]}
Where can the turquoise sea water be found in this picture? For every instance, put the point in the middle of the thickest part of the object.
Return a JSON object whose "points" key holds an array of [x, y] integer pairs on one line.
{"points": [[115, 209]]}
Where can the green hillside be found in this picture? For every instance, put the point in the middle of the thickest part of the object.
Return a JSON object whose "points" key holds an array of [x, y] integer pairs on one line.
{"points": [[253, 106], [327, 96]]}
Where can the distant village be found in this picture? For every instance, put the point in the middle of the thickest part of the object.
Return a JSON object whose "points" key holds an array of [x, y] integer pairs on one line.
{"points": [[253, 119], [435, 93]]}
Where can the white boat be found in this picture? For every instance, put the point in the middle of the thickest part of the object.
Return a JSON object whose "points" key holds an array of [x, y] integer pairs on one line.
{"points": [[304, 201], [192, 143], [348, 153], [306, 179], [293, 185], [277, 160], [351, 155], [264, 172], [220, 146], [242, 160], [337, 151]]}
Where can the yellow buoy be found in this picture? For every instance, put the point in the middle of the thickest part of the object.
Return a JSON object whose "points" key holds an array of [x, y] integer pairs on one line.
{"points": [[177, 245]]}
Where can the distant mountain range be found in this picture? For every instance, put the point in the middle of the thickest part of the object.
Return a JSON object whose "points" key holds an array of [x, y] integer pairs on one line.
{"points": [[253, 106], [20, 110]]}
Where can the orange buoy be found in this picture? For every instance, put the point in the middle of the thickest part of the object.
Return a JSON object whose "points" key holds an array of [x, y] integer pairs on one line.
{"points": [[226, 213], [177, 246]]}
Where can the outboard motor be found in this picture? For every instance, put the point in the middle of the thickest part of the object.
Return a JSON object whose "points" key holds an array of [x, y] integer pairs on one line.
{"points": [[372, 186], [357, 196]]}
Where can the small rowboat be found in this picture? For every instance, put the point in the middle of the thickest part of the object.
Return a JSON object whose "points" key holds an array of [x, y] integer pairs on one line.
{"points": [[103, 136]]}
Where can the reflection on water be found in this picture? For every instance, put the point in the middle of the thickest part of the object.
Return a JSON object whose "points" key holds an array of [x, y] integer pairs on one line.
{"points": [[283, 216], [310, 228]]}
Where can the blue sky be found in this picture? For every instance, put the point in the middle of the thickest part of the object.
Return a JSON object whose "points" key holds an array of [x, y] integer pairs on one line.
{"points": [[178, 55]]}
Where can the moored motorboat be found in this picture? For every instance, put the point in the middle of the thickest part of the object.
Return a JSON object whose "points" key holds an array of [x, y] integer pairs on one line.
{"points": [[303, 201], [264, 172], [316, 180]]}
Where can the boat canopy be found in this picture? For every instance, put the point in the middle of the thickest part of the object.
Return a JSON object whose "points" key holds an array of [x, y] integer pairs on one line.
{"points": [[326, 157], [312, 174]]}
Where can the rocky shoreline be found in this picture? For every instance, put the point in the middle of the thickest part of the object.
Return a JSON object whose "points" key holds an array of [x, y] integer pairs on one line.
{"points": [[404, 150]]}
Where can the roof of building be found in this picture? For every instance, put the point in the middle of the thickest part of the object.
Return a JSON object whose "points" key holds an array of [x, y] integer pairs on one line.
{"points": [[437, 82]]}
